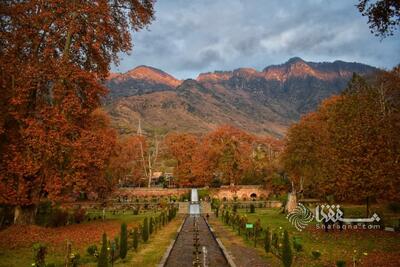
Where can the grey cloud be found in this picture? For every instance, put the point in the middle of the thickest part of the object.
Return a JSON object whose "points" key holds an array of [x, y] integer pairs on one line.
{"points": [[189, 37], [203, 59]]}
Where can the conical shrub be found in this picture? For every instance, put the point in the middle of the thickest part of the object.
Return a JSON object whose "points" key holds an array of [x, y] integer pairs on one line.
{"points": [[287, 256], [123, 245], [103, 256], [145, 230]]}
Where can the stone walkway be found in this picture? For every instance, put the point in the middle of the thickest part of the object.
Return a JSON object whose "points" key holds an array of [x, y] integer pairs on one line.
{"points": [[242, 255], [182, 253]]}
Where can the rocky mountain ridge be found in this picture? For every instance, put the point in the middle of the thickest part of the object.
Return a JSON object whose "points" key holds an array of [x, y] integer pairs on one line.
{"points": [[262, 102]]}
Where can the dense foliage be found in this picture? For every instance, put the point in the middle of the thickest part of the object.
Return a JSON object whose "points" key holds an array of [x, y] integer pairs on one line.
{"points": [[383, 15], [350, 147], [227, 154], [54, 55]]}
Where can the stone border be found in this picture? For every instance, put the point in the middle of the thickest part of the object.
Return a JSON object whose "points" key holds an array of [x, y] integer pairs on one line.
{"points": [[225, 252], [171, 245]]}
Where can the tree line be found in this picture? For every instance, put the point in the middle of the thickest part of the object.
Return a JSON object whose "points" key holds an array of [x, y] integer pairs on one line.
{"points": [[349, 148]]}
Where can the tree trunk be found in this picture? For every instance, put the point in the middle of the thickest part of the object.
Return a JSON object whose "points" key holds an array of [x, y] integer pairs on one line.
{"points": [[367, 207], [24, 214], [291, 202]]}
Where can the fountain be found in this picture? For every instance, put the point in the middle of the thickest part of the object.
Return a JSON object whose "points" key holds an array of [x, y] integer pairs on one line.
{"points": [[194, 207]]}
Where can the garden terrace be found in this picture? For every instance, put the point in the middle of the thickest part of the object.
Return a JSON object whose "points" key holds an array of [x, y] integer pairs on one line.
{"points": [[315, 246]]}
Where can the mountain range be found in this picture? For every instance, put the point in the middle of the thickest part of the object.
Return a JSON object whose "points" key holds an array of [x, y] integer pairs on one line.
{"points": [[262, 102]]}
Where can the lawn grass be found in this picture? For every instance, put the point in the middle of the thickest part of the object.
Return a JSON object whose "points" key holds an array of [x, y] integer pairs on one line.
{"points": [[150, 253], [16, 246], [371, 246]]}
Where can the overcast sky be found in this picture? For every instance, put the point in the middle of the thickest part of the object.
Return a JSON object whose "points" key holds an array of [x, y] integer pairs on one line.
{"points": [[188, 37]]}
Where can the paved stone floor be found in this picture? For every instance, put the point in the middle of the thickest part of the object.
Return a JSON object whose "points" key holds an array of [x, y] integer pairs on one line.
{"points": [[182, 253]]}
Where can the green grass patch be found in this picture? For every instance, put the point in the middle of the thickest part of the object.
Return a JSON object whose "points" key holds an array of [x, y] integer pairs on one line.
{"points": [[334, 245]]}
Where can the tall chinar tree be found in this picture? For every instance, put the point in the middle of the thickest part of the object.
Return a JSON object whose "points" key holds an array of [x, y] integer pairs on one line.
{"points": [[54, 57], [349, 149]]}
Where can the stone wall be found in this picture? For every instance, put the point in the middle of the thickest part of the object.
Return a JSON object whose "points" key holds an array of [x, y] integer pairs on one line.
{"points": [[241, 192], [150, 192]]}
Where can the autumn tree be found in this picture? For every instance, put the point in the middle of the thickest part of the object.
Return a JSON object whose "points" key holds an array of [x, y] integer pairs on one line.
{"points": [[229, 153], [53, 57], [264, 161], [350, 147], [126, 163], [183, 148], [366, 148], [302, 154], [383, 15]]}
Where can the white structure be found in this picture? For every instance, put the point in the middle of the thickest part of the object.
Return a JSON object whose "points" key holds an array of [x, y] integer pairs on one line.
{"points": [[194, 207]]}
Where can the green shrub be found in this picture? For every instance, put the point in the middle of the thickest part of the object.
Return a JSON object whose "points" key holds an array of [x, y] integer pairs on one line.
{"points": [[145, 230], [58, 217], [116, 242], [215, 203], [39, 254], [235, 207], [91, 250], [267, 240], [287, 256], [184, 197], [103, 257], [394, 207], [252, 208], [341, 263], [297, 244], [216, 183], [151, 225], [74, 259], [135, 238], [316, 254], [203, 193], [163, 218], [123, 241], [113, 252], [275, 240]]}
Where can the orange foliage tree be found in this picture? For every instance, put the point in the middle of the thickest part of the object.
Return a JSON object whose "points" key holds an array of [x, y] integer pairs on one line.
{"points": [[126, 164], [183, 147], [350, 147], [53, 57], [227, 154]]}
